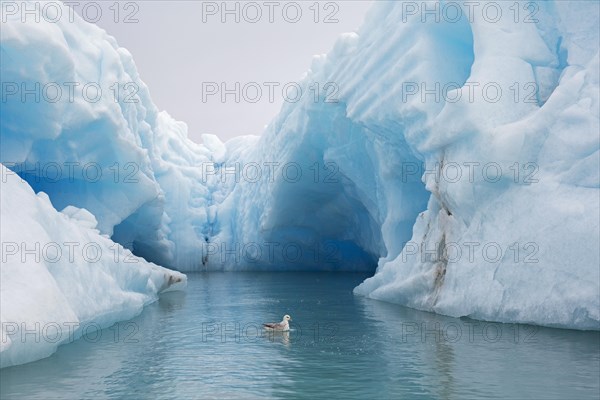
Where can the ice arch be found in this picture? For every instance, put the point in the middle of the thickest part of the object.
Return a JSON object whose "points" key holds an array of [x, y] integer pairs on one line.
{"points": [[370, 134]]}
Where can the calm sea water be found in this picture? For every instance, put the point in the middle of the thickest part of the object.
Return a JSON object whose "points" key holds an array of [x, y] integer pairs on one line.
{"points": [[207, 343]]}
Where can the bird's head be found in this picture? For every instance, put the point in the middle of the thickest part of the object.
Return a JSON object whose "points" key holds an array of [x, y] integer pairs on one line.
{"points": [[287, 318]]}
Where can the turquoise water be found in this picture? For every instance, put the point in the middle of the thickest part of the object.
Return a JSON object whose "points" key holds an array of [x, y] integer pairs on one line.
{"points": [[341, 346]]}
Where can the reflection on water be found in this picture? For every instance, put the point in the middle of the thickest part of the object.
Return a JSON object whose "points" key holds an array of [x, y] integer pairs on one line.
{"points": [[281, 337], [209, 343]]}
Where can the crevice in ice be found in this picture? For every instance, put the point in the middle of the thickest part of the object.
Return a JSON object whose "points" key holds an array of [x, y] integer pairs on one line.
{"points": [[548, 73], [441, 264]]}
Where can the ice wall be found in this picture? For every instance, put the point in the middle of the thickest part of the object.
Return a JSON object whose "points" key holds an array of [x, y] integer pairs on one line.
{"points": [[363, 204], [61, 278], [78, 123], [540, 215], [467, 156]]}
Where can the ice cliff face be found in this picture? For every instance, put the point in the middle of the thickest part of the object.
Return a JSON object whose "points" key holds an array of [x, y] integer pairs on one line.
{"points": [[88, 135], [458, 157], [515, 242], [467, 161], [60, 278]]}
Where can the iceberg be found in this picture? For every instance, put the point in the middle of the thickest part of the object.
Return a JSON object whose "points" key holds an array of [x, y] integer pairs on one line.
{"points": [[61, 278], [455, 158], [78, 124], [466, 164]]}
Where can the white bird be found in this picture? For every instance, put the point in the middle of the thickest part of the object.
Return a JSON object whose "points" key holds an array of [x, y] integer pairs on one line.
{"points": [[284, 325]]}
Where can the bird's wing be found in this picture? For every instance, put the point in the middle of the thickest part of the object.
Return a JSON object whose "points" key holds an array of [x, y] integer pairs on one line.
{"points": [[272, 325]]}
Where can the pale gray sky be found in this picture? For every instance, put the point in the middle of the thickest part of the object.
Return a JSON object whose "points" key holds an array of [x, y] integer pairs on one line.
{"points": [[180, 47]]}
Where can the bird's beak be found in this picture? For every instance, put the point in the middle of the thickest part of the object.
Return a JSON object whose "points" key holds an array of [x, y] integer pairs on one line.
{"points": [[290, 318]]}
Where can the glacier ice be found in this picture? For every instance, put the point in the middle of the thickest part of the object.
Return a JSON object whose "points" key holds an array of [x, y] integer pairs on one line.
{"points": [[554, 216], [105, 148], [61, 278], [540, 214], [375, 189], [522, 216]]}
